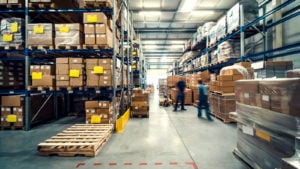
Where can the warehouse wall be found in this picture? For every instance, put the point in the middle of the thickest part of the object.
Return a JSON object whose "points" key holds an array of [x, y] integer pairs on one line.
{"points": [[154, 74]]}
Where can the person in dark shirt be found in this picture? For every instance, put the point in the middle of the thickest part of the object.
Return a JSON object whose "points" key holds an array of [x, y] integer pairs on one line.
{"points": [[180, 95], [203, 101]]}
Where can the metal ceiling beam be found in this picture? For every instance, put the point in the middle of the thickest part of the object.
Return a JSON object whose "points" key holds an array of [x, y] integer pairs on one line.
{"points": [[170, 21], [160, 63], [163, 39], [160, 50], [165, 52], [174, 10], [159, 30]]}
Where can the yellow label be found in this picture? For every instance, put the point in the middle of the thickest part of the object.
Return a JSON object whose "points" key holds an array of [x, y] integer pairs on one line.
{"points": [[74, 73], [96, 119], [38, 29], [98, 70], [263, 135], [37, 75], [203, 61], [64, 29], [7, 37], [134, 53], [133, 66], [14, 27], [92, 18], [11, 118]]}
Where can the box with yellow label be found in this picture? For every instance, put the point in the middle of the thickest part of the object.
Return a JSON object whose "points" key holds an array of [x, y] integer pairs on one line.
{"points": [[94, 17], [68, 34], [40, 34]]}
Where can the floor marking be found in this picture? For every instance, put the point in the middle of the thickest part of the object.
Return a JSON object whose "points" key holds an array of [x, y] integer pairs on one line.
{"points": [[173, 163], [192, 164], [112, 164], [97, 164], [143, 164], [158, 163], [127, 163], [80, 164]]}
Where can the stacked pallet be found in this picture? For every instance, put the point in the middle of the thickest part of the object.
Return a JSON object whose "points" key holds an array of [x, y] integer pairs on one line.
{"points": [[80, 139], [188, 100], [221, 106], [12, 74], [42, 77], [12, 33], [12, 116], [268, 116], [140, 103], [40, 36], [98, 112], [68, 36]]}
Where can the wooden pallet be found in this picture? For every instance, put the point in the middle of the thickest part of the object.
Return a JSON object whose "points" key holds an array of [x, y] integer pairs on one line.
{"points": [[68, 47], [41, 5], [41, 88], [11, 47], [12, 127], [69, 88], [11, 6], [40, 47], [224, 120], [95, 47], [78, 140], [97, 4], [140, 115]]}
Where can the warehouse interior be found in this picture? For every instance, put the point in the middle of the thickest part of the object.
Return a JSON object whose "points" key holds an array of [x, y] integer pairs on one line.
{"points": [[96, 84]]}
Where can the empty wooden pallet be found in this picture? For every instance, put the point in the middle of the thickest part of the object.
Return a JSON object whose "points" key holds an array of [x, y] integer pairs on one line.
{"points": [[78, 140]]}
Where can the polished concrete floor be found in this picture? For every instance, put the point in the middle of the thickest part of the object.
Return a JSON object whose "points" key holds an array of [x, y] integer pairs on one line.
{"points": [[174, 140]]}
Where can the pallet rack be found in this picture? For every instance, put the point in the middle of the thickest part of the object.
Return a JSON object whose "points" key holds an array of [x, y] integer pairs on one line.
{"points": [[245, 31], [28, 53]]}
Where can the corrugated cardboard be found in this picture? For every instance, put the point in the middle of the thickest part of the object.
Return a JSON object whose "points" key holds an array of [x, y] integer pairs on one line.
{"points": [[101, 28], [105, 83], [62, 69], [89, 28], [104, 104], [226, 83], [12, 101], [91, 104], [47, 80], [76, 81], [62, 60], [62, 77], [100, 17], [75, 60], [225, 77], [90, 39], [61, 83], [76, 67]]}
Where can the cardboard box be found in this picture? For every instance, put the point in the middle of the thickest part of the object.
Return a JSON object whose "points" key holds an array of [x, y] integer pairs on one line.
{"points": [[47, 80], [62, 69], [90, 39], [94, 17], [225, 77], [104, 39], [226, 89], [76, 81], [18, 111], [92, 83], [61, 83], [76, 67], [231, 72], [104, 111], [62, 60], [105, 83], [89, 29], [101, 28], [75, 60], [91, 104], [105, 78], [12, 101], [237, 77], [226, 83], [47, 69], [104, 104], [205, 75], [62, 77]]}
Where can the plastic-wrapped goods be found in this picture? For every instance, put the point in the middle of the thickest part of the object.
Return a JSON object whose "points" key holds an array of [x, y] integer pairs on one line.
{"points": [[194, 39], [204, 60], [274, 69], [221, 29], [40, 34], [212, 35], [188, 45], [68, 34], [206, 28], [233, 15], [12, 31], [214, 56], [229, 49], [293, 73]]}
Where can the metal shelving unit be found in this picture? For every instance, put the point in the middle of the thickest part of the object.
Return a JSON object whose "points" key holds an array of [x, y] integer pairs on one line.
{"points": [[58, 52], [243, 33]]}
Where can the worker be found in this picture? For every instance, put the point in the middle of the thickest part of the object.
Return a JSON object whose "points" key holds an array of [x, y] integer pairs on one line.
{"points": [[180, 95], [203, 101]]}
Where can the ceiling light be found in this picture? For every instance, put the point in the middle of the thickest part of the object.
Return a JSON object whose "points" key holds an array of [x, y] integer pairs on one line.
{"points": [[177, 42], [202, 13], [150, 13], [187, 6], [176, 46], [150, 42], [150, 46]]}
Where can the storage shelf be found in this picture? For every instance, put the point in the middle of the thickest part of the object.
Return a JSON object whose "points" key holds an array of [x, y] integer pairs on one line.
{"points": [[78, 10]]}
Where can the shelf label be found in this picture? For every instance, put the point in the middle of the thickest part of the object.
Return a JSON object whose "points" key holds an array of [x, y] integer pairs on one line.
{"points": [[64, 29], [98, 70], [14, 27], [38, 29], [92, 18], [263, 135], [133, 66], [37, 75], [7, 37], [11, 118], [74, 73], [134, 53]]}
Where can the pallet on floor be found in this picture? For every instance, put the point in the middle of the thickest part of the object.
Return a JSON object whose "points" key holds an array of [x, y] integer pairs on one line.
{"points": [[68, 47], [77, 140], [11, 47], [98, 4], [41, 5], [40, 47], [223, 119], [95, 47]]}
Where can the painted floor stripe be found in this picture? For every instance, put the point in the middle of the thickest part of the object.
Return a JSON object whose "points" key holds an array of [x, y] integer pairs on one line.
{"points": [[173, 163], [192, 164], [127, 163], [80, 164], [112, 164], [143, 164], [158, 163], [97, 164]]}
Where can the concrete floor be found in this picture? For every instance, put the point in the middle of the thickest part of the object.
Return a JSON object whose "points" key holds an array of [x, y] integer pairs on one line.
{"points": [[177, 140]]}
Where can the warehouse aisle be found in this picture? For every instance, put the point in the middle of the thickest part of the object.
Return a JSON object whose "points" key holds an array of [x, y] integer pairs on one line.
{"points": [[165, 140]]}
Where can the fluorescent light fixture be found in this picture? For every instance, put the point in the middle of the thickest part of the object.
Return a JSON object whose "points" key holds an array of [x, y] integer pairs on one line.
{"points": [[177, 42], [176, 46], [188, 5], [202, 13], [150, 46], [150, 13], [149, 42]]}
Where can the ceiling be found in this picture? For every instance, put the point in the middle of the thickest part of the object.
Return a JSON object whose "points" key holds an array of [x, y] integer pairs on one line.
{"points": [[165, 25]]}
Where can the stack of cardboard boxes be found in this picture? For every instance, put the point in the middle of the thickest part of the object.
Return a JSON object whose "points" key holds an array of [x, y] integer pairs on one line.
{"points": [[12, 74], [139, 105], [69, 72], [42, 76], [40, 34], [12, 31], [274, 69], [98, 112], [12, 112], [68, 34], [188, 96], [99, 72], [11, 2], [222, 105], [97, 29]]}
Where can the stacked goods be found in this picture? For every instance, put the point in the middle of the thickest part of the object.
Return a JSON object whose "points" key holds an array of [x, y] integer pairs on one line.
{"points": [[204, 59], [221, 106], [213, 35], [54, 3], [99, 72], [40, 34], [221, 28], [97, 29], [188, 45], [205, 75], [12, 112], [188, 96], [42, 76], [195, 39], [233, 15], [199, 35], [268, 116], [62, 72], [293, 73], [76, 72], [228, 49], [98, 112], [172, 80], [12, 31], [12, 74], [11, 2], [68, 34], [214, 56], [274, 69], [139, 105], [163, 88], [206, 28]]}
